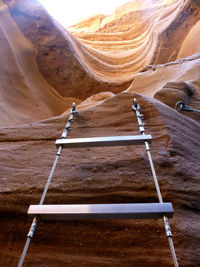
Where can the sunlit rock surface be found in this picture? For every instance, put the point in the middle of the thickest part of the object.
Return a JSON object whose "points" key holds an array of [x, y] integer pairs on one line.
{"points": [[53, 66], [148, 50]]}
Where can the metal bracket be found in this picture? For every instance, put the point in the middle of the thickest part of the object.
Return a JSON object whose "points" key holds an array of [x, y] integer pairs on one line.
{"points": [[181, 106], [135, 105]]}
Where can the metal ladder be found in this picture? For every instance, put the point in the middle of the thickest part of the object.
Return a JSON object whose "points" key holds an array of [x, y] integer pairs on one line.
{"points": [[102, 211]]}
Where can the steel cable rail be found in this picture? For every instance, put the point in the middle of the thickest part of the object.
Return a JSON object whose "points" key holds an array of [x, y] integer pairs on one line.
{"points": [[61, 146], [34, 223], [136, 107]]}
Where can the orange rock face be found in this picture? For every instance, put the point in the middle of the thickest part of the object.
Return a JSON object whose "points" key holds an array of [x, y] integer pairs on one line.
{"points": [[148, 50]]}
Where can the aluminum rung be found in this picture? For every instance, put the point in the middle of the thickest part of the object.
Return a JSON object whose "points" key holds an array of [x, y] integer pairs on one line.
{"points": [[104, 141], [101, 211]]}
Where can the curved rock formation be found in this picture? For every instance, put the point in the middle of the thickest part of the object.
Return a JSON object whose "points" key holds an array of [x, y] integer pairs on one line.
{"points": [[102, 63], [25, 94], [125, 42], [103, 56], [58, 59]]}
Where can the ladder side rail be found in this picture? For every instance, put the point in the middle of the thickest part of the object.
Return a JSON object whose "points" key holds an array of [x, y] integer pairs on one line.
{"points": [[140, 117], [34, 223]]}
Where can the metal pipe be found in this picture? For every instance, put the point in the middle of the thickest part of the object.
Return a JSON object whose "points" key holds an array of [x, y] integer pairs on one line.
{"points": [[101, 211], [140, 117], [103, 141], [34, 223]]}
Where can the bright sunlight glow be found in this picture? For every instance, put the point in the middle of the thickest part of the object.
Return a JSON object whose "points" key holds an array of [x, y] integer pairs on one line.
{"points": [[69, 12]]}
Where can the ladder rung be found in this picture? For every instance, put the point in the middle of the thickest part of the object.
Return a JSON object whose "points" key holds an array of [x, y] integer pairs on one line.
{"points": [[104, 141], [101, 211]]}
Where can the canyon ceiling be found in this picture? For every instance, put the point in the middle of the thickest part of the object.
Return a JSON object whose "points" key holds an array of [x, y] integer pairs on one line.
{"points": [[146, 49]]}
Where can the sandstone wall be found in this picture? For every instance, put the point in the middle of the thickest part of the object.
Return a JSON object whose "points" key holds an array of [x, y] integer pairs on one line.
{"points": [[143, 51]]}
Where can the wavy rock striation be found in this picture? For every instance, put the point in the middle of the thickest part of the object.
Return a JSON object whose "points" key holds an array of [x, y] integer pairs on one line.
{"points": [[99, 54], [146, 49]]}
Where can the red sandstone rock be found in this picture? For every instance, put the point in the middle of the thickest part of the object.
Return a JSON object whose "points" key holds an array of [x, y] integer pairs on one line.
{"points": [[44, 68], [102, 175]]}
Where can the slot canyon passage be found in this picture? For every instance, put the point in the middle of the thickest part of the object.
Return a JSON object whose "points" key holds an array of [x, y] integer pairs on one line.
{"points": [[146, 49]]}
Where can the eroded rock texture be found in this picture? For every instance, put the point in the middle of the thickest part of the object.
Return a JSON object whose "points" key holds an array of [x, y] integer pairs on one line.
{"points": [[102, 63]]}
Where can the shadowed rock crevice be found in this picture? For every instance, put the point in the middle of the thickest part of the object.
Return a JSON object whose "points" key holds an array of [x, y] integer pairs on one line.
{"points": [[101, 63]]}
